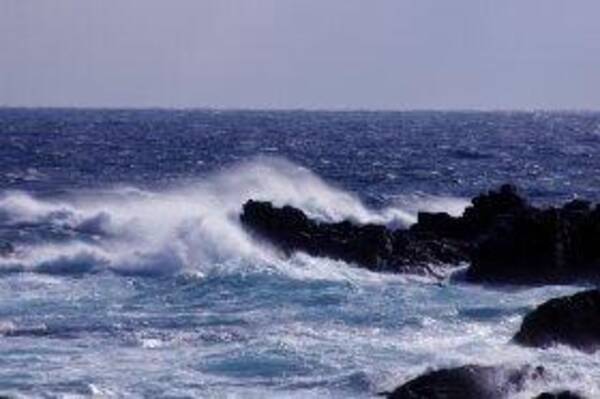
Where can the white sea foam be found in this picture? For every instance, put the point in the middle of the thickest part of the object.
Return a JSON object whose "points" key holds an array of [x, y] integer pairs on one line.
{"points": [[192, 228], [365, 331]]}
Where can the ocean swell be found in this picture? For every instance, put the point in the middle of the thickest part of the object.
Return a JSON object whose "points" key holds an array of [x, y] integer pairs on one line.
{"points": [[191, 228]]}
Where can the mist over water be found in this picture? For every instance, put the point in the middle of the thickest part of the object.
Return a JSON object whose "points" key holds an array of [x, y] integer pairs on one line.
{"points": [[182, 229], [145, 284]]}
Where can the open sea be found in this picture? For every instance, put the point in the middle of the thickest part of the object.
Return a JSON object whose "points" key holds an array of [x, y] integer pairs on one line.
{"points": [[131, 277]]}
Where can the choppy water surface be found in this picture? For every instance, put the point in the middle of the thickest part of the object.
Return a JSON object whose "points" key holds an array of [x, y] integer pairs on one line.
{"points": [[133, 278]]}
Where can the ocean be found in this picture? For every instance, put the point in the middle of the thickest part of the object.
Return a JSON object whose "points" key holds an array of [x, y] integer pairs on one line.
{"points": [[126, 273]]}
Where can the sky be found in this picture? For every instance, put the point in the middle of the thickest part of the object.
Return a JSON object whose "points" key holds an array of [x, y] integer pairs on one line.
{"points": [[314, 54]]}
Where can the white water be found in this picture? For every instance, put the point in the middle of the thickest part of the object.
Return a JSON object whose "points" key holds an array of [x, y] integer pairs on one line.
{"points": [[188, 229], [268, 327]]}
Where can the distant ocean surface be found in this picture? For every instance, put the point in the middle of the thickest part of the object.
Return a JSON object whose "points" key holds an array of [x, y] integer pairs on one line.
{"points": [[130, 275]]}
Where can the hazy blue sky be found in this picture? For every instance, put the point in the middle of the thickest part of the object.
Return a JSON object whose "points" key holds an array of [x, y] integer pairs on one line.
{"points": [[400, 54]]}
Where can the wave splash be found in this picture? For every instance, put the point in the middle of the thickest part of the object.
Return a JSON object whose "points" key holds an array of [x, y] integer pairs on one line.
{"points": [[191, 228]]}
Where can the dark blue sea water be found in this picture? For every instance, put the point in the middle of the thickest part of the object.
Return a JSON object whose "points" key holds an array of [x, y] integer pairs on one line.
{"points": [[131, 276]]}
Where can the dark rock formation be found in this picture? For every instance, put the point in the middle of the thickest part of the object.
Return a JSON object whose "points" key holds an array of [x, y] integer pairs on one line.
{"points": [[467, 382], [571, 320], [371, 246], [505, 239], [478, 219], [540, 246], [559, 395]]}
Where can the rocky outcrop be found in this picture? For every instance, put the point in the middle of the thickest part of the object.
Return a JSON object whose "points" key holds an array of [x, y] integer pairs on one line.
{"points": [[517, 243], [554, 245], [559, 395], [371, 246], [571, 320], [478, 219], [467, 382], [505, 239]]}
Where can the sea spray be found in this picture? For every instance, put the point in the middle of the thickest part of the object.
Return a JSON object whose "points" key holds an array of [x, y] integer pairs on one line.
{"points": [[187, 228]]}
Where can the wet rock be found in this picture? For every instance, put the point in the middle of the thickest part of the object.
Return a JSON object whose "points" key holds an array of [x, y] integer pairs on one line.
{"points": [[291, 230], [517, 243], [372, 246], [478, 218], [559, 395], [439, 224], [467, 382], [502, 236], [487, 208], [524, 248], [540, 246], [570, 320]]}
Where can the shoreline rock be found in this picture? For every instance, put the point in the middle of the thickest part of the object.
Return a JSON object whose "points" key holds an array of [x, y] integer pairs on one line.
{"points": [[540, 246], [570, 320], [559, 395], [372, 246], [467, 382], [502, 236]]}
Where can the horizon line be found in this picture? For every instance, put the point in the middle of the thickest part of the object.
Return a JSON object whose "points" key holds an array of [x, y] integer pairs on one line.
{"points": [[297, 109]]}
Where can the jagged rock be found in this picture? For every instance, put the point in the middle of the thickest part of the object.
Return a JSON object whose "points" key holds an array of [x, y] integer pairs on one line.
{"points": [[505, 239], [570, 320], [559, 395], [371, 246], [514, 242], [478, 218], [486, 208], [540, 246], [467, 382], [292, 230]]}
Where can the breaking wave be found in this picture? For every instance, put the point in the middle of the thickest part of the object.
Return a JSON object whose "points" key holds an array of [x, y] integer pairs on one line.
{"points": [[191, 228]]}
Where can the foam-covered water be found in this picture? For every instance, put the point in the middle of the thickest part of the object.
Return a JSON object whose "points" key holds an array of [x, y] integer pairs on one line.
{"points": [[181, 229], [132, 277]]}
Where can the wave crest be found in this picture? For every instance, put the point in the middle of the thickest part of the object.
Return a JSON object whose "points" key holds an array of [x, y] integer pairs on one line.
{"points": [[193, 227]]}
